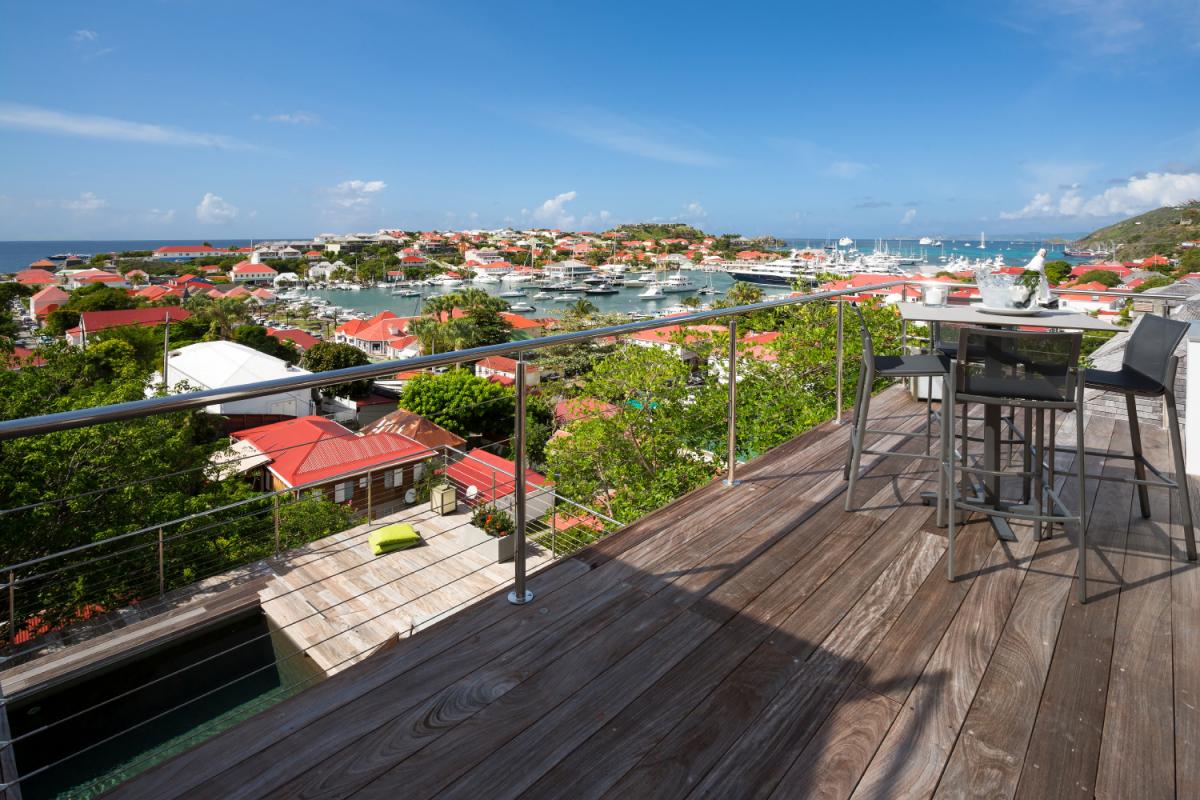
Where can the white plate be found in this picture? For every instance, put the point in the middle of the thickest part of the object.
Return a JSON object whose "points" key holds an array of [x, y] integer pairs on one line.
{"points": [[1013, 312]]}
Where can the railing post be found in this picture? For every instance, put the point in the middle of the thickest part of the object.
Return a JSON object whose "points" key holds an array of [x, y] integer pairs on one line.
{"points": [[275, 515], [162, 575], [369, 496], [553, 527], [841, 357], [520, 594], [731, 444], [12, 608]]}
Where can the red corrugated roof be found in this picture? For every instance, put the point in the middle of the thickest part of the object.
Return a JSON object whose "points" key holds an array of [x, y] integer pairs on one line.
{"points": [[480, 468], [309, 450], [92, 321]]}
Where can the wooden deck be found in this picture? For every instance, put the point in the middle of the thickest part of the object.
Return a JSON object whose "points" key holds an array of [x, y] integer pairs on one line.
{"points": [[760, 641], [331, 600]]}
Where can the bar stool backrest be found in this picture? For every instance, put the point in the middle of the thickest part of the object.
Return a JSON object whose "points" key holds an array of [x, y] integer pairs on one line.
{"points": [[1018, 365], [1151, 346], [868, 344]]}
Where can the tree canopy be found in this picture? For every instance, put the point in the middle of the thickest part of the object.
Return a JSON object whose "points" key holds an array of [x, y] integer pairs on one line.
{"points": [[326, 356], [461, 402]]}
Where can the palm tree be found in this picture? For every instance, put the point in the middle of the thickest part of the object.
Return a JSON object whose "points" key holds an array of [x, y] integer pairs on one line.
{"points": [[690, 302], [582, 308], [743, 294]]}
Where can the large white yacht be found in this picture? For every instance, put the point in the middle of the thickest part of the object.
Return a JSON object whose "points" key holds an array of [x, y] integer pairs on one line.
{"points": [[799, 265]]}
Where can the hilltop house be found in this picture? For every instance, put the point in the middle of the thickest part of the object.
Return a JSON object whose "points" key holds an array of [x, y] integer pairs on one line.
{"points": [[87, 277], [215, 365], [317, 455], [49, 299], [247, 272], [186, 252], [384, 335], [36, 276], [417, 428]]}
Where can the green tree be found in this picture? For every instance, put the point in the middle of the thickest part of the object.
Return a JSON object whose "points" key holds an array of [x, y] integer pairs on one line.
{"points": [[1155, 282], [88, 484], [95, 297], [463, 403], [256, 336], [1104, 276], [650, 450], [582, 308], [1057, 271], [743, 294], [326, 356]]}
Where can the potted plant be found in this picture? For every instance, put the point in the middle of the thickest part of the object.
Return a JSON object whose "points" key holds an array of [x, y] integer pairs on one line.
{"points": [[499, 526]]}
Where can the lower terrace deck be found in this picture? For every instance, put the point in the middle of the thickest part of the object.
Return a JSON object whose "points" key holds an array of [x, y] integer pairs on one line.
{"points": [[760, 641]]}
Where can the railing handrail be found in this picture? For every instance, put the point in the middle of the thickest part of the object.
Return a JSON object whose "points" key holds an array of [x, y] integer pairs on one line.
{"points": [[135, 409]]}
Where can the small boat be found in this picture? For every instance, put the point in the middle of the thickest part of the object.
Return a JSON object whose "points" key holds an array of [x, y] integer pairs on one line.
{"points": [[542, 296], [521, 308], [845, 241], [604, 288], [487, 279], [652, 292], [564, 298], [513, 293], [405, 293]]}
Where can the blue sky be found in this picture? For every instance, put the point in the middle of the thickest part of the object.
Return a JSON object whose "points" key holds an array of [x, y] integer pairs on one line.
{"points": [[182, 119]]}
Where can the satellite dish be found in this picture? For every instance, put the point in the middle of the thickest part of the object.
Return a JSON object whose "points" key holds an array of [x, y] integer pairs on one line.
{"points": [[472, 492], [410, 496]]}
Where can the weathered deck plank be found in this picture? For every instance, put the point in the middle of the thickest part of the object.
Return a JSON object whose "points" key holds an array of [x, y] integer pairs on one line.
{"points": [[763, 641]]}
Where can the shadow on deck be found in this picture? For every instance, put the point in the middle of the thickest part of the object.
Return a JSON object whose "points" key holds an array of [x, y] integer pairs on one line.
{"points": [[761, 641]]}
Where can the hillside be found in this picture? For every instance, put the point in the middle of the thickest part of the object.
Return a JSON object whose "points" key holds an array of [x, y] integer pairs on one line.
{"points": [[1158, 231], [646, 230]]}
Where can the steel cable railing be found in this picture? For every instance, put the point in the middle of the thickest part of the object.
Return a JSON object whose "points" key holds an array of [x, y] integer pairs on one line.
{"points": [[260, 521]]}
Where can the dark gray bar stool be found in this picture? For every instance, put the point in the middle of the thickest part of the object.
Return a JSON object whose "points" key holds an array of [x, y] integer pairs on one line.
{"points": [[1148, 370], [935, 365], [1020, 369]]}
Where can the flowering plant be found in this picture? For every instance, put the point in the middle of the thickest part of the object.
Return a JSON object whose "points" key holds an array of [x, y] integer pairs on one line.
{"points": [[492, 521]]}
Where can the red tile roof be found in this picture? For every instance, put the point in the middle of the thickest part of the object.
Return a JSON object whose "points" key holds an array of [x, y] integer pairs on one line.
{"points": [[313, 450], [382, 327], [504, 364], [36, 277], [245, 267], [576, 408], [302, 339]]}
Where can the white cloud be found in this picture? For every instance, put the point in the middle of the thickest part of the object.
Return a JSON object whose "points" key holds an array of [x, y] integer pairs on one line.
{"points": [[161, 215], [909, 216], [85, 35], [695, 210], [87, 202], [355, 194], [1138, 194], [1111, 27], [215, 210], [295, 118], [613, 132], [553, 212], [846, 169], [48, 121]]}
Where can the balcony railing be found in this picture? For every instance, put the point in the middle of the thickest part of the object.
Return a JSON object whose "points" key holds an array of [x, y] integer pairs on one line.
{"points": [[28, 582]]}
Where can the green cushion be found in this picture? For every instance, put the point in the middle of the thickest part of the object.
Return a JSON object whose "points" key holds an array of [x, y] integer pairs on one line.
{"points": [[396, 536]]}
